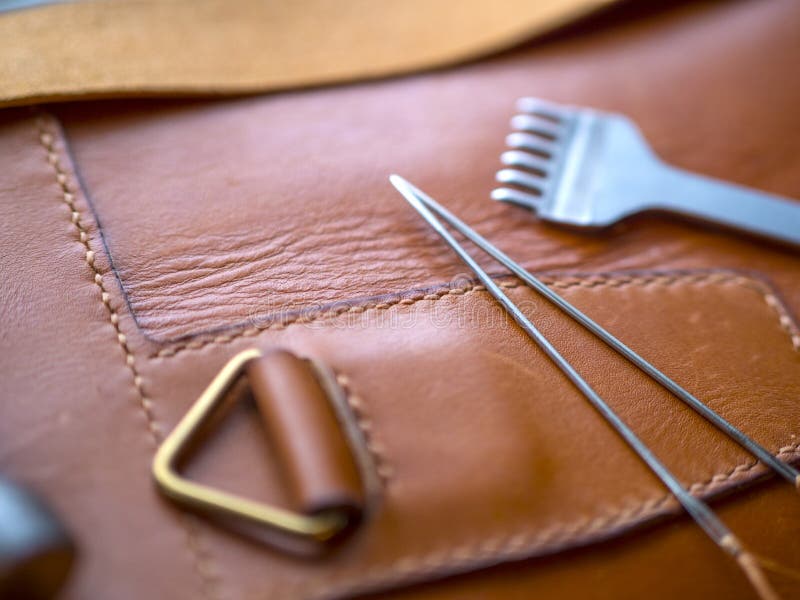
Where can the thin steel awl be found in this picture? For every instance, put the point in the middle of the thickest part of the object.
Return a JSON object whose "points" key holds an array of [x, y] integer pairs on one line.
{"points": [[700, 512], [785, 470]]}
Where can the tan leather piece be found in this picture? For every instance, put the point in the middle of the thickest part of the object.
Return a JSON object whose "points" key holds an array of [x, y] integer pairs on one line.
{"points": [[302, 169], [487, 454], [308, 440], [145, 47]]}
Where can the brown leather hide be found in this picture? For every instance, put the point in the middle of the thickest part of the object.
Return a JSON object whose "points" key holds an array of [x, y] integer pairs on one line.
{"points": [[147, 242]]}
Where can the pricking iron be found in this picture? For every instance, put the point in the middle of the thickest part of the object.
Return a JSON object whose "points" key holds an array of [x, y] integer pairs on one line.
{"points": [[585, 168]]}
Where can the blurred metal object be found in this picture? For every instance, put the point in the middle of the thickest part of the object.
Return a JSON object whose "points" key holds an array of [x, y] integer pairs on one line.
{"points": [[586, 168], [36, 550]]}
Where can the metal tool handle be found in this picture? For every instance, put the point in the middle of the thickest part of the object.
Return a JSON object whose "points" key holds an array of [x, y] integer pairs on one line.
{"points": [[730, 205]]}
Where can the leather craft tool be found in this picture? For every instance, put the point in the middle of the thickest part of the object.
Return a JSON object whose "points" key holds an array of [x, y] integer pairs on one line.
{"points": [[699, 511], [585, 168]]}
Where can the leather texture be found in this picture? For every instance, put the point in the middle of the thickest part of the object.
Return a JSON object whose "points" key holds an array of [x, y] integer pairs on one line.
{"points": [[150, 241]]}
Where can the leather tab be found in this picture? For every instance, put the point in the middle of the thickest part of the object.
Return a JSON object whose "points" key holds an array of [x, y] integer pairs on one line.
{"points": [[308, 439]]}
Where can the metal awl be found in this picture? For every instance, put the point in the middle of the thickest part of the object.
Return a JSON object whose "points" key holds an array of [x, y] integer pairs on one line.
{"points": [[700, 512]]}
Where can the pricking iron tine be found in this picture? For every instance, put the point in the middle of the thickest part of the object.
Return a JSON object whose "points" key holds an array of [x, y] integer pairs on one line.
{"points": [[523, 180], [515, 158], [531, 143], [537, 126], [541, 131], [544, 109], [697, 509], [517, 197]]}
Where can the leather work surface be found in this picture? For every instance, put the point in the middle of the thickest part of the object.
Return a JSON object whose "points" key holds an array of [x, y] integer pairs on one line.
{"points": [[146, 243]]}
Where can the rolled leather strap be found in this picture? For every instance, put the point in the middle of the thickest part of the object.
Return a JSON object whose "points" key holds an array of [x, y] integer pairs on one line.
{"points": [[308, 440]]}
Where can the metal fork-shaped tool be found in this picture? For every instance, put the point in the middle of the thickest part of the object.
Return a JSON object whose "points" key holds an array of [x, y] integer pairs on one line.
{"points": [[586, 168]]}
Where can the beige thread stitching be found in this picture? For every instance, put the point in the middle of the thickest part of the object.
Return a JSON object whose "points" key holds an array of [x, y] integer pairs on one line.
{"points": [[202, 560], [505, 545], [375, 448], [592, 281], [784, 319]]}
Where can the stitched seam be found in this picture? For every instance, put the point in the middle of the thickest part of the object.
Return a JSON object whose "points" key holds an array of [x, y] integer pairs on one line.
{"points": [[371, 441], [507, 545], [201, 559], [593, 281], [785, 320]]}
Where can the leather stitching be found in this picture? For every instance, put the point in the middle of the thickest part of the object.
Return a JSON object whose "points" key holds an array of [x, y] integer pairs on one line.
{"points": [[200, 557], [373, 445], [517, 546], [592, 281], [47, 141]]}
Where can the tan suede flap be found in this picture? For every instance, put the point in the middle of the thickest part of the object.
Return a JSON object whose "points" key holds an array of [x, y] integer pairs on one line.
{"points": [[145, 47]]}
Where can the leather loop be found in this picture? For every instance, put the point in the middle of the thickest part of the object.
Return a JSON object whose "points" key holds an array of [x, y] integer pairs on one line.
{"points": [[306, 435]]}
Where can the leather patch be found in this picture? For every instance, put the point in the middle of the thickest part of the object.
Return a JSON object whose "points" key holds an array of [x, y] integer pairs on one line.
{"points": [[488, 453]]}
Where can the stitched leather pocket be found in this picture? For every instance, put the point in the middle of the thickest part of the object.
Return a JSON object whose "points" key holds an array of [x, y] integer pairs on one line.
{"points": [[487, 453]]}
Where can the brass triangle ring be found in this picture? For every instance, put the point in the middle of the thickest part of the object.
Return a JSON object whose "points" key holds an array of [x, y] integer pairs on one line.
{"points": [[321, 525]]}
